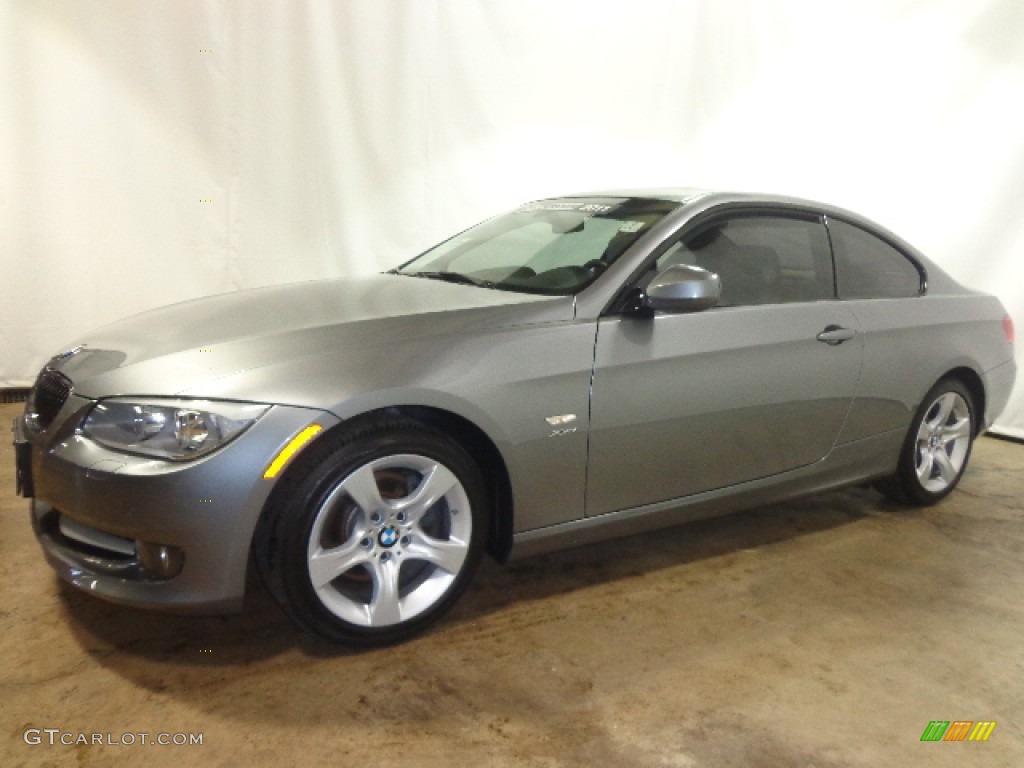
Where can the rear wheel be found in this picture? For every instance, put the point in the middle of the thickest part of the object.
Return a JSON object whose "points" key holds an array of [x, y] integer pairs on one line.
{"points": [[379, 535], [937, 447]]}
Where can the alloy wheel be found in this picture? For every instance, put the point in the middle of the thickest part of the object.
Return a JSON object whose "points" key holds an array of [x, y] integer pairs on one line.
{"points": [[389, 540]]}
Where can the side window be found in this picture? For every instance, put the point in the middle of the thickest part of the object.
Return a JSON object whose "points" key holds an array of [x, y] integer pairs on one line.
{"points": [[760, 259], [868, 267]]}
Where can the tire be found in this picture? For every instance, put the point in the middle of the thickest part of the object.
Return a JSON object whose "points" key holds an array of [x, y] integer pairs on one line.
{"points": [[377, 535], [937, 447]]}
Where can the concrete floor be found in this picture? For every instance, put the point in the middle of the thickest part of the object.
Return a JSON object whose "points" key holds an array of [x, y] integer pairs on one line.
{"points": [[824, 632]]}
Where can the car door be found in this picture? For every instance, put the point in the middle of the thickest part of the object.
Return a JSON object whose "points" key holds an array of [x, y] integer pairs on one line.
{"points": [[756, 386]]}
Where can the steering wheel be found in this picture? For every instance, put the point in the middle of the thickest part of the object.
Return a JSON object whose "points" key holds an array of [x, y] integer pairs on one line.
{"points": [[596, 266]]}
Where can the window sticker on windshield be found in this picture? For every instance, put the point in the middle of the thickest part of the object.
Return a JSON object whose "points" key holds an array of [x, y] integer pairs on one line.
{"points": [[631, 226], [549, 205]]}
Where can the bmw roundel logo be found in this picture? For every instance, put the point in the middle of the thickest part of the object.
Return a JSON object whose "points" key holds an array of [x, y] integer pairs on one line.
{"points": [[388, 536]]}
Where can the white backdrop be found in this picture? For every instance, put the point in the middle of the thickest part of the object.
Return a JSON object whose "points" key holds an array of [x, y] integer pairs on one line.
{"points": [[157, 151]]}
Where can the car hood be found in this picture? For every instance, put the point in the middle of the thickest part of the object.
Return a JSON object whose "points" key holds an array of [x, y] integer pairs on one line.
{"points": [[180, 348]]}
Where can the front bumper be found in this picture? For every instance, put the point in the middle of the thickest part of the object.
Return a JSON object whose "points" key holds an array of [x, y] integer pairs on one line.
{"points": [[152, 533]]}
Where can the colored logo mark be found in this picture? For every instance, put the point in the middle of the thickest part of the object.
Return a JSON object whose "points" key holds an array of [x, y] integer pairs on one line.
{"points": [[958, 730]]}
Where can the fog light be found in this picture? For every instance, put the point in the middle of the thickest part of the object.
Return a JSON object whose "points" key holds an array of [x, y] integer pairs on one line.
{"points": [[159, 560]]}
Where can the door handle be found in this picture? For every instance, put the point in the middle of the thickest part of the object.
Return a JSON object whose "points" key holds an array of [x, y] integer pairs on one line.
{"points": [[835, 334]]}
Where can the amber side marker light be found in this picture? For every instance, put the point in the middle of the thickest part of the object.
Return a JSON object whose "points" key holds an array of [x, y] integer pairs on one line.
{"points": [[293, 447], [1008, 327]]}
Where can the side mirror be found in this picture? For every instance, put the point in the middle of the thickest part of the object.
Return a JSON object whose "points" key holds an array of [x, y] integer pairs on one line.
{"points": [[682, 288]]}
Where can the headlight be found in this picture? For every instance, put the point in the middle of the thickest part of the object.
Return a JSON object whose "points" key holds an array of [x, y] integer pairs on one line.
{"points": [[169, 429]]}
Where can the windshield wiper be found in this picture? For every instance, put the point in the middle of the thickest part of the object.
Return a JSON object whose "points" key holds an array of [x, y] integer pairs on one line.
{"points": [[453, 277]]}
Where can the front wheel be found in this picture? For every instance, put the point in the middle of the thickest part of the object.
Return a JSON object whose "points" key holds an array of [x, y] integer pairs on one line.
{"points": [[937, 446], [379, 537]]}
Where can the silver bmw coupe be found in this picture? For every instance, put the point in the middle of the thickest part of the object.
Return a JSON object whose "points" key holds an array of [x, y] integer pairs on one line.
{"points": [[577, 369]]}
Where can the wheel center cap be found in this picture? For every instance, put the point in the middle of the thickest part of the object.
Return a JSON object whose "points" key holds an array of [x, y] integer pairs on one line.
{"points": [[388, 536], [935, 441]]}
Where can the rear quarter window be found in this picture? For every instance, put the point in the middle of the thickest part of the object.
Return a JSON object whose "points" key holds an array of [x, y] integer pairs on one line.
{"points": [[867, 267]]}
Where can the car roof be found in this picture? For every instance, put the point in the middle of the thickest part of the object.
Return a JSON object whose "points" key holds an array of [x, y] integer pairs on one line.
{"points": [[685, 195], [708, 198]]}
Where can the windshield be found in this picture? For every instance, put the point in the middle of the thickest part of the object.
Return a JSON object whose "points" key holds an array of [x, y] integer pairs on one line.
{"points": [[551, 246]]}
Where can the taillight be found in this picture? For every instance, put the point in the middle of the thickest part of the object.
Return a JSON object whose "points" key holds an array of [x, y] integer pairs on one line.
{"points": [[1008, 327]]}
